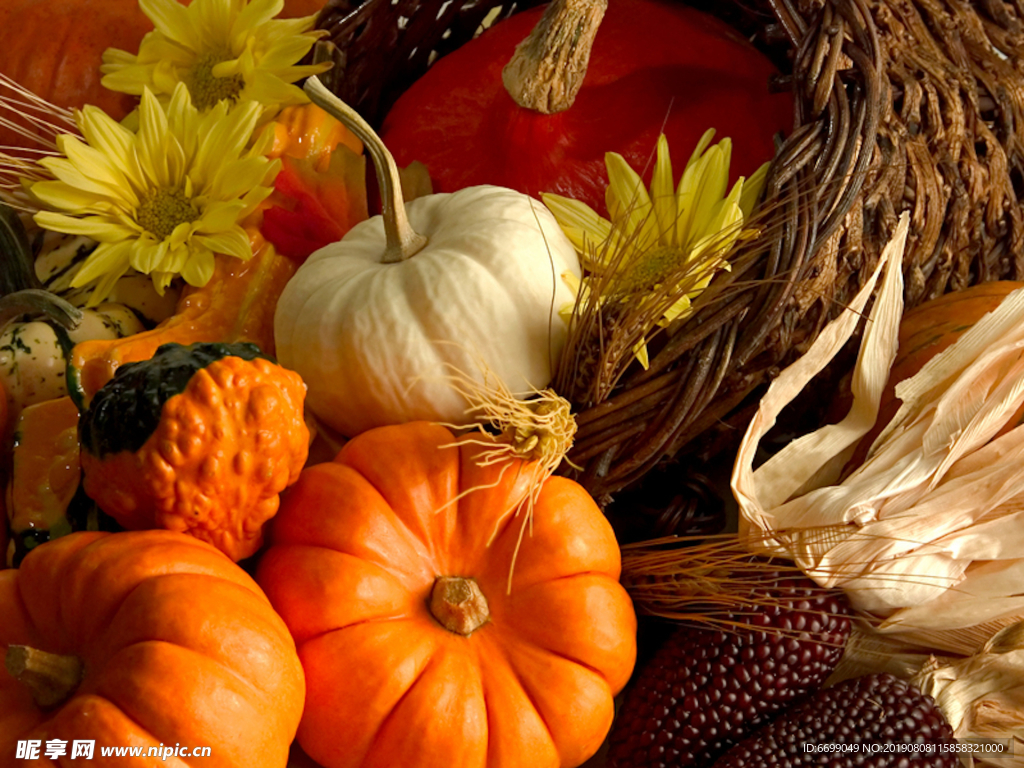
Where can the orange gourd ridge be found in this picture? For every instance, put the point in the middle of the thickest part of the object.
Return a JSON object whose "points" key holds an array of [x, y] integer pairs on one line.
{"points": [[44, 478], [144, 639], [656, 66], [390, 566], [199, 439]]}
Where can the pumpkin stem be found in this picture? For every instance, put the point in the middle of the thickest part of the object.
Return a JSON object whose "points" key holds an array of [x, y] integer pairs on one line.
{"points": [[458, 604], [549, 66], [51, 677], [37, 301], [402, 240]]}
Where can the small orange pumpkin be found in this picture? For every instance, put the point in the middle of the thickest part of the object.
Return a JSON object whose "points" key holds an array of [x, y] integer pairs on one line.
{"points": [[146, 639], [199, 439], [391, 566]]}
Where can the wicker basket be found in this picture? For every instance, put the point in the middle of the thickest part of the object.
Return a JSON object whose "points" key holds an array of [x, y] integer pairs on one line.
{"points": [[900, 105]]}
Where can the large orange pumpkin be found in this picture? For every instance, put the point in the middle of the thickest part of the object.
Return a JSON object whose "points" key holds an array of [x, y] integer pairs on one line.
{"points": [[417, 649], [54, 48], [177, 644]]}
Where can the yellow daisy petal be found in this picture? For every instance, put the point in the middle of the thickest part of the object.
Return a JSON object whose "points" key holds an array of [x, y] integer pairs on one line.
{"points": [[663, 194], [99, 228], [171, 19], [222, 50], [752, 189], [106, 260], [199, 268], [629, 205], [640, 353], [255, 14], [711, 187], [146, 192], [60, 195], [702, 145], [93, 164], [220, 217], [584, 227], [233, 242]]}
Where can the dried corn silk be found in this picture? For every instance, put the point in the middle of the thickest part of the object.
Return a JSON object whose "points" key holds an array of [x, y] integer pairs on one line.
{"points": [[928, 532]]}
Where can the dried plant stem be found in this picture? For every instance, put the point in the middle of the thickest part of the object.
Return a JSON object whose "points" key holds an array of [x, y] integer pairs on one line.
{"points": [[537, 431], [38, 123], [403, 241], [549, 66]]}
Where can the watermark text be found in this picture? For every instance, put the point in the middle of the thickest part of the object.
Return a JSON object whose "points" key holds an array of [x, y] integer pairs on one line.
{"points": [[85, 749]]}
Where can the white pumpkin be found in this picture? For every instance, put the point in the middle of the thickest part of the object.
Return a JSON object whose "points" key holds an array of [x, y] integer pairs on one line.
{"points": [[376, 336], [372, 339]]}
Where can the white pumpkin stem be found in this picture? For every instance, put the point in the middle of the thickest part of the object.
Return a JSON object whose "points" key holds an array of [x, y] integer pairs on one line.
{"points": [[402, 240], [51, 677], [549, 66]]}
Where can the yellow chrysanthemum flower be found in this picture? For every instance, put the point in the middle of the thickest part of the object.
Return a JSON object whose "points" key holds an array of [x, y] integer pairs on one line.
{"points": [[680, 233], [162, 200], [220, 49]]}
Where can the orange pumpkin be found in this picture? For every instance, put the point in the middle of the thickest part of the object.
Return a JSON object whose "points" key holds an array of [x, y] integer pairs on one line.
{"points": [[161, 640], [54, 48], [391, 566], [199, 439]]}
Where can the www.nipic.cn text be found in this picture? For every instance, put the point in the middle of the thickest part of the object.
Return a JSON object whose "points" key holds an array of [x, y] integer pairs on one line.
{"points": [[85, 749]]}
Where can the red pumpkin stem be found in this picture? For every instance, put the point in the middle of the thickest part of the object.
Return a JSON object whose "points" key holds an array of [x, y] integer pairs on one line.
{"points": [[549, 66], [51, 677], [458, 604], [402, 240]]}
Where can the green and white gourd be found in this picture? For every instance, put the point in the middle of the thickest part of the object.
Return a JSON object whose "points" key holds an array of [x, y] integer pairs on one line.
{"points": [[38, 328], [61, 256]]}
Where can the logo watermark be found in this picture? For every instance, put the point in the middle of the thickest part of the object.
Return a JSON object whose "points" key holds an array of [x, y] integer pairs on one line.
{"points": [[85, 749]]}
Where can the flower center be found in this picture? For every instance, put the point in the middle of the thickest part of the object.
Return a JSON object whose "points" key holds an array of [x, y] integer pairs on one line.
{"points": [[164, 210], [205, 89], [650, 269]]}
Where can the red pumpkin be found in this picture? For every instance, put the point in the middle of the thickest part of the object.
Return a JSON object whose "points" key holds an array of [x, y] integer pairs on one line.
{"points": [[151, 638], [417, 650], [656, 65]]}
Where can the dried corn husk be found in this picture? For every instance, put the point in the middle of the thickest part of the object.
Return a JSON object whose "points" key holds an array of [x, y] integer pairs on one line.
{"points": [[929, 532]]}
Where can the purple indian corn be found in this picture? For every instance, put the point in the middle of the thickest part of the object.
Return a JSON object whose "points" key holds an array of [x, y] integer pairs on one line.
{"points": [[703, 691], [878, 721]]}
